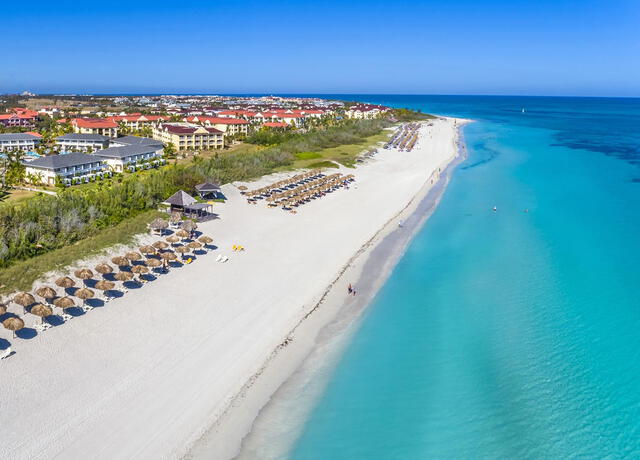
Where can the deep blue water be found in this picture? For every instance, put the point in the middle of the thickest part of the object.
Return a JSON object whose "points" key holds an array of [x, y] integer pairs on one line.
{"points": [[510, 334]]}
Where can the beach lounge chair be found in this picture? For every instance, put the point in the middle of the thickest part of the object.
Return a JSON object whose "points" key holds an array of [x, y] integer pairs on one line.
{"points": [[86, 308], [219, 258], [6, 353], [66, 317]]}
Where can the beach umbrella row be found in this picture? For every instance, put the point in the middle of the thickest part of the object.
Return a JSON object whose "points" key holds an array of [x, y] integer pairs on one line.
{"points": [[26, 299]]}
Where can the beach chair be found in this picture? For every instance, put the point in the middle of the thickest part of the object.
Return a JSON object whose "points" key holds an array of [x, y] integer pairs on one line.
{"points": [[66, 317], [219, 258], [40, 327], [86, 308], [6, 353]]}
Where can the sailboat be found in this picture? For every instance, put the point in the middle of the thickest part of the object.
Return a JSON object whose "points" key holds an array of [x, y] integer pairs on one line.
{"points": [[522, 109]]}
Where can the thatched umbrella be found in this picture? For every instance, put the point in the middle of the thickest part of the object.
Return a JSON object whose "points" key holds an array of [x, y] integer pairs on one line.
{"points": [[84, 294], [41, 311], [182, 249], [120, 261], [189, 225], [205, 239], [159, 224], [46, 292], [182, 234], [64, 302], [168, 256], [133, 256], [83, 274], [242, 187], [173, 239], [13, 324], [123, 276], [139, 269], [147, 249], [104, 285], [194, 245], [65, 282], [104, 268], [154, 263], [175, 217], [160, 245], [24, 299]]}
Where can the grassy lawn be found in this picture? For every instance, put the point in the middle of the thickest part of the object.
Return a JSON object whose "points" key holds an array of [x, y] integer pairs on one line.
{"points": [[343, 154], [15, 196], [22, 274]]}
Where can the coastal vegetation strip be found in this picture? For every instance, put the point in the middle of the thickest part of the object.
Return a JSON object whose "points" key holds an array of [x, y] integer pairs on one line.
{"points": [[21, 274]]}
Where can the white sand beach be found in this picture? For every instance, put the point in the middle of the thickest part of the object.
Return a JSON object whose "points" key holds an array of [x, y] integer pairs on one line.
{"points": [[199, 351]]}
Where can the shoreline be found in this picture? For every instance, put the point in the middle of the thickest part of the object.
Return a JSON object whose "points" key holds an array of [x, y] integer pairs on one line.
{"points": [[332, 317]]}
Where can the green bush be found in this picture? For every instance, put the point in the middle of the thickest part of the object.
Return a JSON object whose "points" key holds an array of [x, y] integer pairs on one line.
{"points": [[323, 164], [307, 155]]}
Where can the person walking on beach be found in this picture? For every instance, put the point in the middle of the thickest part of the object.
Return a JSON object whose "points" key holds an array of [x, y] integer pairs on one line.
{"points": [[350, 289]]}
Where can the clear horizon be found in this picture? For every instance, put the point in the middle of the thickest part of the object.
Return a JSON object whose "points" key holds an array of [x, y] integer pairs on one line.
{"points": [[564, 48]]}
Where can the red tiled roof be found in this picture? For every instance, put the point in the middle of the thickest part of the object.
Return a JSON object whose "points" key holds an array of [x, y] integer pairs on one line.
{"points": [[217, 120], [26, 113], [8, 116], [33, 133], [274, 124], [138, 117], [94, 123]]}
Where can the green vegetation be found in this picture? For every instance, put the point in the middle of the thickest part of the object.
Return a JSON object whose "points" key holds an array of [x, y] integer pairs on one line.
{"points": [[406, 115], [10, 197], [343, 154], [308, 155], [22, 274], [323, 164]]}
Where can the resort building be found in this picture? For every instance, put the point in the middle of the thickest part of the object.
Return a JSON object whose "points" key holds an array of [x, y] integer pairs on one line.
{"points": [[366, 111], [137, 121], [95, 126], [75, 142], [135, 140], [229, 126], [131, 157], [187, 136], [19, 141], [70, 168], [19, 117]]}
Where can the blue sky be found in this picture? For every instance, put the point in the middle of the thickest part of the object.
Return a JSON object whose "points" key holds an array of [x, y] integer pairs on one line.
{"points": [[407, 47]]}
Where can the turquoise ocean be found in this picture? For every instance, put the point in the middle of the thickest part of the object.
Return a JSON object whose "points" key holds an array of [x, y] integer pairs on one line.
{"points": [[507, 334]]}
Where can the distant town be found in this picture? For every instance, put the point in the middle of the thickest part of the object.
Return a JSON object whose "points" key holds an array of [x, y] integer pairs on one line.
{"points": [[66, 140]]}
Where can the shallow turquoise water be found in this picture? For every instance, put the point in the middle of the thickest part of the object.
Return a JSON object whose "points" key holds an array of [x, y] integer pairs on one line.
{"points": [[510, 334]]}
